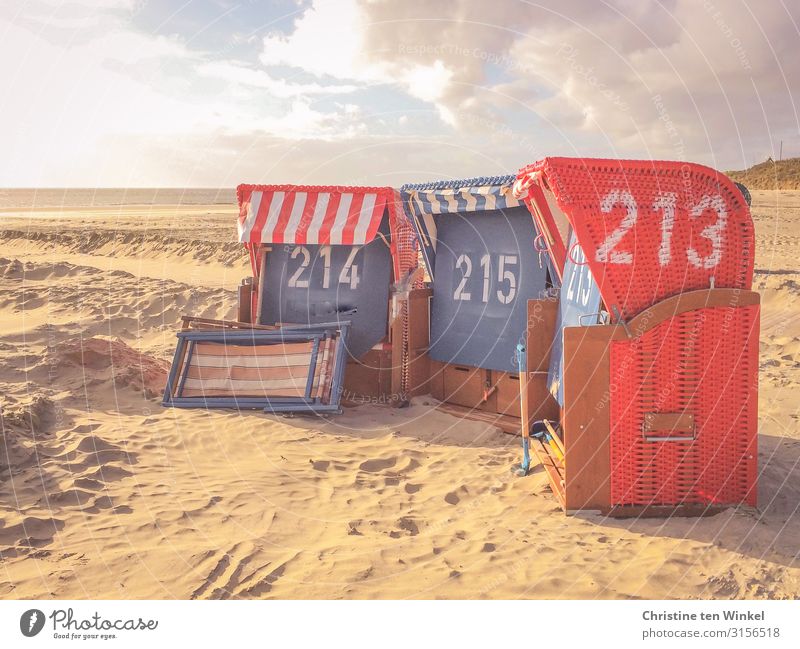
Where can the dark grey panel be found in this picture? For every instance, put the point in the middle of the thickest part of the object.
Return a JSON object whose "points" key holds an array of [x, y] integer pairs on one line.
{"points": [[478, 319], [295, 289]]}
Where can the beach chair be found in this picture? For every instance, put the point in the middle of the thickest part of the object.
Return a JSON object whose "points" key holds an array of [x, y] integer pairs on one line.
{"points": [[654, 362], [485, 259], [332, 254]]}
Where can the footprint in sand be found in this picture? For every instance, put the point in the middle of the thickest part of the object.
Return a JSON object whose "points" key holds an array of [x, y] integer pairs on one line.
{"points": [[110, 473], [374, 466], [408, 525], [413, 488], [68, 498], [93, 444], [89, 483], [452, 498], [103, 502], [320, 465], [100, 503], [32, 531], [84, 429]]}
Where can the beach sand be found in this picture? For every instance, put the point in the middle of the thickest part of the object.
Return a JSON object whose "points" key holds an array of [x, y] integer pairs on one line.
{"points": [[105, 494]]}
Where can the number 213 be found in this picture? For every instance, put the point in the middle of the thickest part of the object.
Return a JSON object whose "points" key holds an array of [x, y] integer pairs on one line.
{"points": [[665, 203]]}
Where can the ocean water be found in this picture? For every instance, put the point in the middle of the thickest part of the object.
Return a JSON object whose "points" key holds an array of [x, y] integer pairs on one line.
{"points": [[109, 197]]}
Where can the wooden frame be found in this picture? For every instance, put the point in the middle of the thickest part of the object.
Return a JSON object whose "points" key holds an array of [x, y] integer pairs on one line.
{"points": [[582, 480], [507, 400], [317, 398]]}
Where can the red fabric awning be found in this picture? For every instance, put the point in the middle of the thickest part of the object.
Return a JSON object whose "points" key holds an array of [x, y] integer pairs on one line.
{"points": [[310, 215]]}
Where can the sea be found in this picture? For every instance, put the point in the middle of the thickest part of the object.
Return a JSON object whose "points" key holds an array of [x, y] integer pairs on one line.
{"points": [[110, 197]]}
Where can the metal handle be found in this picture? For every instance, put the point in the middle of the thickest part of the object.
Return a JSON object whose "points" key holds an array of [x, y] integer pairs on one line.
{"points": [[598, 315], [663, 438]]}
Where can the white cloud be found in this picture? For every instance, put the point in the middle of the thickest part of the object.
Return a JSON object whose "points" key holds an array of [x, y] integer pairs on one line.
{"points": [[130, 47], [328, 40], [65, 104], [682, 80], [332, 39], [235, 73], [89, 97], [429, 83], [302, 121]]}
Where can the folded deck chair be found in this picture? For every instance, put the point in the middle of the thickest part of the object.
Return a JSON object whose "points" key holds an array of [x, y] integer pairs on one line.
{"points": [[289, 369]]}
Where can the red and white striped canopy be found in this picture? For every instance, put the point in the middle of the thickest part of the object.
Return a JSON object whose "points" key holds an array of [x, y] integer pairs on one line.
{"points": [[309, 215]]}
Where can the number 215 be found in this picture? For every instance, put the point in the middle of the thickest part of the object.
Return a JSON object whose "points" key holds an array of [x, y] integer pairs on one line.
{"points": [[504, 274]]}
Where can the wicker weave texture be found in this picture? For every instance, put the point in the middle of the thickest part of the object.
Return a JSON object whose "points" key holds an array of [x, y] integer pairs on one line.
{"points": [[703, 362], [405, 246], [653, 229]]}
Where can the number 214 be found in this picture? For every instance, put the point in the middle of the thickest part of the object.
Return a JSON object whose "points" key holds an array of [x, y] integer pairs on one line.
{"points": [[348, 275]]}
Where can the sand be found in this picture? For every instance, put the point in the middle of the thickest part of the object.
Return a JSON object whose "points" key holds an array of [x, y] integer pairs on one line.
{"points": [[105, 494]]}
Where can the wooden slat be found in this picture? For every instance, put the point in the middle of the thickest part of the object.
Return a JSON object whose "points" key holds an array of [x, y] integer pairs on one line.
{"points": [[464, 385], [268, 393], [540, 332], [278, 349], [436, 379], [329, 361], [586, 422], [243, 386], [239, 373], [369, 377], [245, 293], [690, 301], [508, 393], [235, 360], [541, 404], [193, 322], [553, 467], [322, 370], [419, 341]]}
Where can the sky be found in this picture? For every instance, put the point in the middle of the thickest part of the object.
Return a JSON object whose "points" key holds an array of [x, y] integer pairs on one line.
{"points": [[212, 93]]}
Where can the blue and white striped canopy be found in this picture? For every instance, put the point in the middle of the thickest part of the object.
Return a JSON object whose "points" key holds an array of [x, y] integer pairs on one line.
{"points": [[422, 201], [468, 195]]}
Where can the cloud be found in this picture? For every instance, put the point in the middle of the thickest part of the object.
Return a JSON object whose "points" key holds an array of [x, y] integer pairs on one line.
{"points": [[684, 80], [676, 79], [328, 39], [68, 101], [304, 122], [334, 39], [223, 159], [423, 88], [243, 75]]}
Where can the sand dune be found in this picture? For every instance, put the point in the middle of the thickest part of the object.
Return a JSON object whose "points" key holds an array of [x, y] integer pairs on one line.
{"points": [[105, 494]]}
